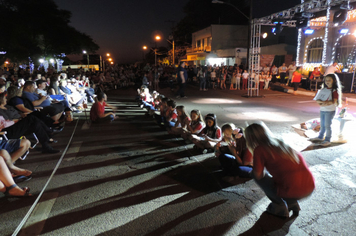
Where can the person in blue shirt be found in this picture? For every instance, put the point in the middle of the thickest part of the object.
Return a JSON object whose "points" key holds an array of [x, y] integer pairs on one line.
{"points": [[55, 111], [182, 77]]}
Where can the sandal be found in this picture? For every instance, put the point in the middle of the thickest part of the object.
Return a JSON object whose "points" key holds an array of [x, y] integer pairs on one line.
{"points": [[21, 178], [26, 189]]}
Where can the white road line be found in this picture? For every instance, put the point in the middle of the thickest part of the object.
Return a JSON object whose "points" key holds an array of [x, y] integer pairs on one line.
{"points": [[19, 227], [39, 215]]}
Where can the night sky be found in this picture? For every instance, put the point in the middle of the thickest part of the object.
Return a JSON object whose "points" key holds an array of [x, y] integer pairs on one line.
{"points": [[123, 27]]}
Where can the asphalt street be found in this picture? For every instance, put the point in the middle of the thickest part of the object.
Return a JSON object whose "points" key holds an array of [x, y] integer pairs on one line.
{"points": [[131, 177]]}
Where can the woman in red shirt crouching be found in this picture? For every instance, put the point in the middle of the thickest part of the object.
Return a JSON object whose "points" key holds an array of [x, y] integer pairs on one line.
{"points": [[288, 178]]}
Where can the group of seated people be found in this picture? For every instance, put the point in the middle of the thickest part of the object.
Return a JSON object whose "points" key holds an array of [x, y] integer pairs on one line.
{"points": [[254, 152], [228, 142], [34, 110]]}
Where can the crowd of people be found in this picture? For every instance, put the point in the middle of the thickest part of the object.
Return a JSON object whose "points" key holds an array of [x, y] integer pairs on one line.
{"points": [[34, 107], [241, 152], [39, 105]]}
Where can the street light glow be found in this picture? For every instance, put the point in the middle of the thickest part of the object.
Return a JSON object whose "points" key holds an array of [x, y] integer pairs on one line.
{"points": [[85, 52], [110, 59], [264, 35], [158, 37], [108, 54], [6, 62], [51, 60], [144, 47], [112, 63], [41, 60]]}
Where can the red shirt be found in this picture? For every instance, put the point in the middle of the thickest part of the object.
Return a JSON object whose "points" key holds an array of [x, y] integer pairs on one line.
{"points": [[97, 109], [292, 180], [314, 74], [297, 77]]}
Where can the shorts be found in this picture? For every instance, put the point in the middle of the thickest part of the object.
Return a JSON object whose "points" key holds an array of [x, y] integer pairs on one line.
{"points": [[10, 145]]}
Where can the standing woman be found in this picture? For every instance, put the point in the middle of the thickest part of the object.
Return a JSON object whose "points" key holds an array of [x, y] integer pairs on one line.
{"points": [[296, 78], [288, 178], [268, 79], [223, 78], [330, 98], [233, 81]]}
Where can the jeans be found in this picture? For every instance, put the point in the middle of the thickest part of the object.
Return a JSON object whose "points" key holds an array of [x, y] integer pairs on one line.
{"points": [[202, 83], [231, 167], [326, 118], [279, 206]]}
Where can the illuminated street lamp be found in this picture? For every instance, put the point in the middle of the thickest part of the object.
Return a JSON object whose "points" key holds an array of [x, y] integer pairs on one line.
{"points": [[6, 62], [157, 39], [112, 63], [108, 54], [143, 52], [110, 59], [85, 52], [41, 60]]}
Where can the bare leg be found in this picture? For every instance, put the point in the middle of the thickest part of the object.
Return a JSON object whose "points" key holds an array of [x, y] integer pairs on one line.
{"points": [[14, 169], [6, 180], [24, 146]]}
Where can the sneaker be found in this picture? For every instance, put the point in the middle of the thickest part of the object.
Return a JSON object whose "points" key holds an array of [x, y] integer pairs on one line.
{"points": [[325, 143], [315, 139]]}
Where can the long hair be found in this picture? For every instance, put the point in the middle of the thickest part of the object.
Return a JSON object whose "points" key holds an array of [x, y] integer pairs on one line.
{"points": [[184, 114], [259, 135], [12, 91], [335, 87], [198, 114]]}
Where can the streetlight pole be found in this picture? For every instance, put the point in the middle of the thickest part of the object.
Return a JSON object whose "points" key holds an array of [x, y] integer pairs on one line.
{"points": [[155, 79], [249, 24]]}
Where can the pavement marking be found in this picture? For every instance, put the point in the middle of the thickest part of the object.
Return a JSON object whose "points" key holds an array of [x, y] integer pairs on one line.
{"points": [[74, 147], [86, 125], [19, 227], [39, 215]]}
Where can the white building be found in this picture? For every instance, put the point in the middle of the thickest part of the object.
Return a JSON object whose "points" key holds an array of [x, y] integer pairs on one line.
{"points": [[220, 45]]}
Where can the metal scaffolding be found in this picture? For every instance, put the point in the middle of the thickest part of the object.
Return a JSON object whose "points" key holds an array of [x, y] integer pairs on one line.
{"points": [[287, 19]]}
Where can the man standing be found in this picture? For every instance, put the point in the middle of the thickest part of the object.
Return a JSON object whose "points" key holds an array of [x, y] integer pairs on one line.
{"points": [[182, 76]]}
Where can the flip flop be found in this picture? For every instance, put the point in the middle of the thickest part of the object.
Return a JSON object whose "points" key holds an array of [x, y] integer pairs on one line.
{"points": [[22, 178], [26, 194]]}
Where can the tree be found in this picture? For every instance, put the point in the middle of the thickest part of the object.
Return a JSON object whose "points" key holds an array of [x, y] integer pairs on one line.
{"points": [[37, 28]]}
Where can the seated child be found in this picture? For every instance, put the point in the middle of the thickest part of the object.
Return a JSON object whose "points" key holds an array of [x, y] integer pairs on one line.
{"points": [[196, 125], [209, 136], [171, 115], [232, 152], [183, 120], [162, 110]]}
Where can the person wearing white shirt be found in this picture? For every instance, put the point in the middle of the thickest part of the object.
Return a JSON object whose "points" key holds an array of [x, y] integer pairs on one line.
{"points": [[332, 69], [245, 76]]}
